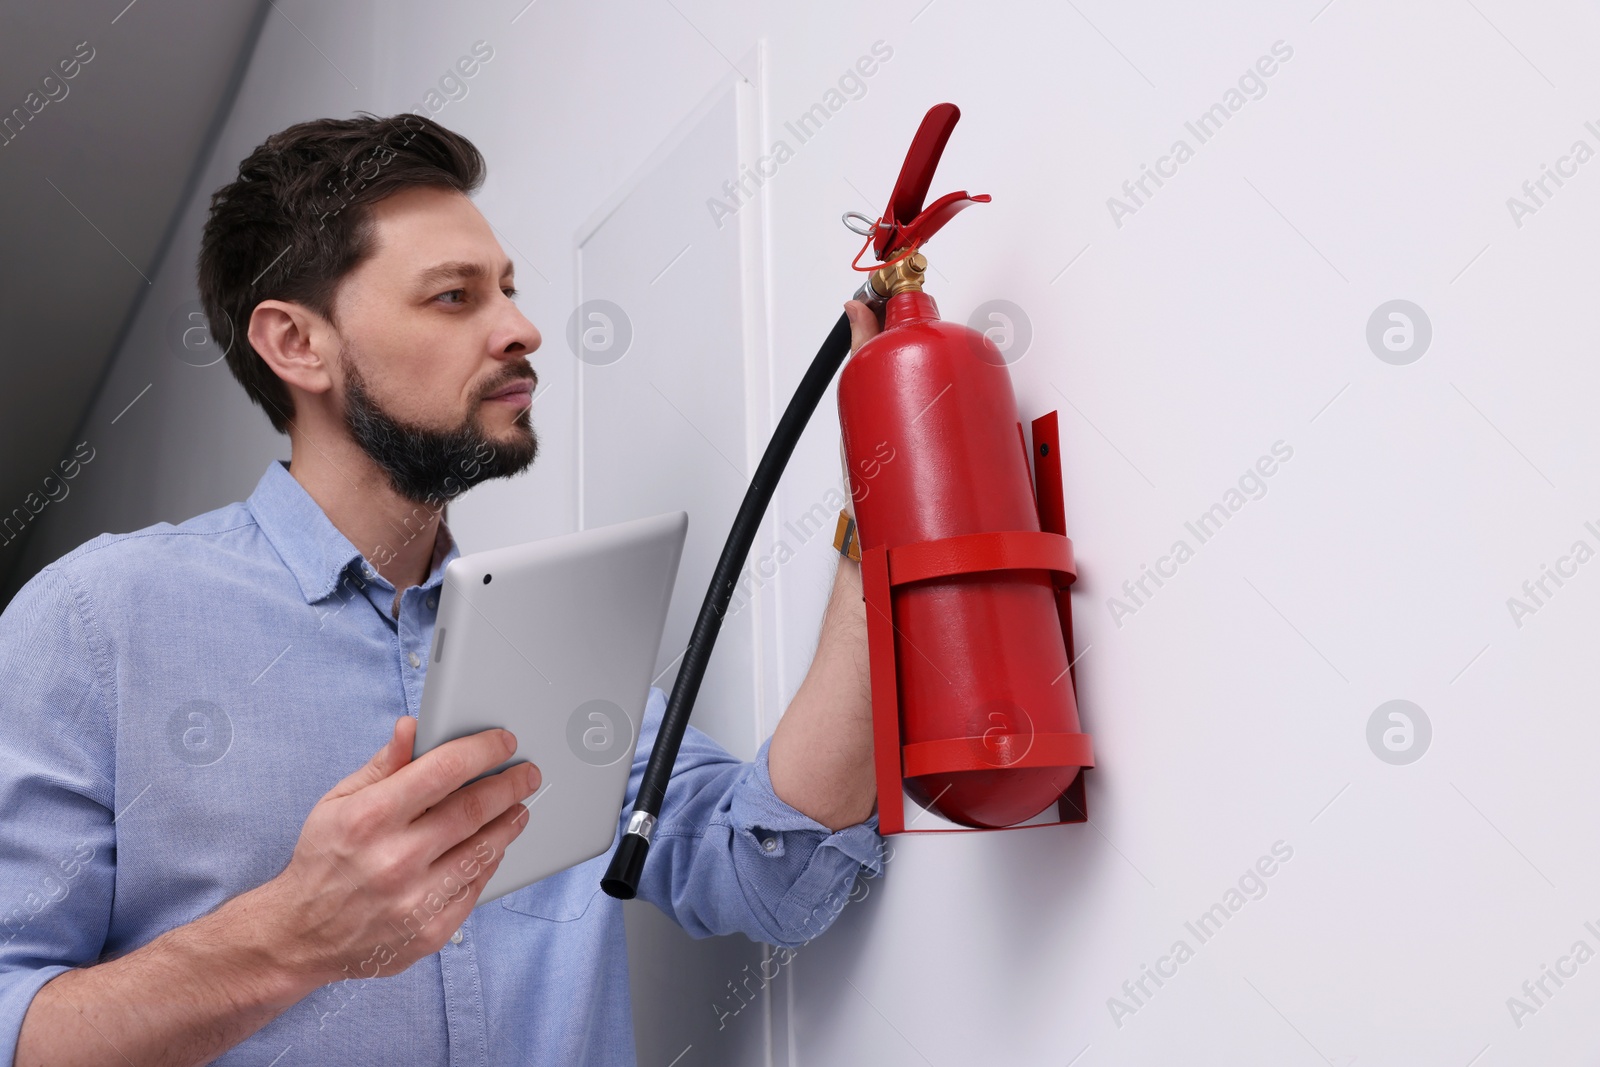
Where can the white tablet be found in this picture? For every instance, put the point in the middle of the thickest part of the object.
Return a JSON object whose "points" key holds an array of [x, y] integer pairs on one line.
{"points": [[555, 640]]}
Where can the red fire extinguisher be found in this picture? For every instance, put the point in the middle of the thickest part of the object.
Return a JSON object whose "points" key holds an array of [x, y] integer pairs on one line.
{"points": [[965, 568]]}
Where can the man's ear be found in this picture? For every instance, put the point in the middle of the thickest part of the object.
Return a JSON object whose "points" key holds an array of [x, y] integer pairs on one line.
{"points": [[295, 342]]}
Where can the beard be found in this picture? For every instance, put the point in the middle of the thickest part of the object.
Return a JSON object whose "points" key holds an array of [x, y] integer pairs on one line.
{"points": [[425, 465]]}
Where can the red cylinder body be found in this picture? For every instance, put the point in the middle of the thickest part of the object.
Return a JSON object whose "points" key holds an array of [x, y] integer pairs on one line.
{"points": [[934, 449]]}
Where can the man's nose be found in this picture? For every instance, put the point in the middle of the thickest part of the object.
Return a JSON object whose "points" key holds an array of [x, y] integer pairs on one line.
{"points": [[520, 336]]}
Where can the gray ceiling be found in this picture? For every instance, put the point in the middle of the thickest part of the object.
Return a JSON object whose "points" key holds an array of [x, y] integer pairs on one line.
{"points": [[90, 187]]}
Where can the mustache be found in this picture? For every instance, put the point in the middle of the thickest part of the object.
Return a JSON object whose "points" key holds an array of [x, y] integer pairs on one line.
{"points": [[520, 374]]}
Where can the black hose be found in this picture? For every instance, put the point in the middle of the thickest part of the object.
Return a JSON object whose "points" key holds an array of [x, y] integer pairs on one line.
{"points": [[622, 877]]}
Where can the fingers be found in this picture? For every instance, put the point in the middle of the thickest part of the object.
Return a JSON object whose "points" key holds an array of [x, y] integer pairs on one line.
{"points": [[395, 753], [466, 812], [863, 323], [472, 862], [428, 779]]}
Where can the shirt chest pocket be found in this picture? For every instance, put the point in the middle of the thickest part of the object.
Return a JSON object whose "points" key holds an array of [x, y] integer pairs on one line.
{"points": [[562, 897]]}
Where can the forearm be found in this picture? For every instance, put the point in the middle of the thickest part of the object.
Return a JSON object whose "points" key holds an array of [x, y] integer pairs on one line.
{"points": [[820, 758], [183, 999]]}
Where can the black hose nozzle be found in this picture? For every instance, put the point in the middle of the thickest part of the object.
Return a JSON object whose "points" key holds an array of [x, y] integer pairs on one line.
{"points": [[627, 864]]}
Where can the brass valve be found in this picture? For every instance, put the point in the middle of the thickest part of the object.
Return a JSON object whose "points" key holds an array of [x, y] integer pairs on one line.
{"points": [[902, 277], [883, 283]]}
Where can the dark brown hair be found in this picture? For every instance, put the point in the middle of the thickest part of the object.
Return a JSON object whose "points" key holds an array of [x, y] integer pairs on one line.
{"points": [[297, 220]]}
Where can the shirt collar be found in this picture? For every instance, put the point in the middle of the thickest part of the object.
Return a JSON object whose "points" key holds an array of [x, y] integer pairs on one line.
{"points": [[308, 542]]}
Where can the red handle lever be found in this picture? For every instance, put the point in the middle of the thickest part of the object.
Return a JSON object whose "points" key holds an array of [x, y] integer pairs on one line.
{"points": [[904, 222]]}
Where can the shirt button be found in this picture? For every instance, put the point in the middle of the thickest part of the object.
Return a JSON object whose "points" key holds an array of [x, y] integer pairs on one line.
{"points": [[769, 843], [433, 602], [411, 657], [455, 938]]}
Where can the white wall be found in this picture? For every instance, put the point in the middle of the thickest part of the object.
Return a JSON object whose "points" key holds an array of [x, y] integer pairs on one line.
{"points": [[1227, 313]]}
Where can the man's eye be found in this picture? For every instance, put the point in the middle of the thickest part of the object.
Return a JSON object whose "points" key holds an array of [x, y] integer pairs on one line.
{"points": [[510, 291], [459, 294]]}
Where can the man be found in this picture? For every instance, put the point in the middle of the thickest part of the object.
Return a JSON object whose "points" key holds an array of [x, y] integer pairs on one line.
{"points": [[201, 862]]}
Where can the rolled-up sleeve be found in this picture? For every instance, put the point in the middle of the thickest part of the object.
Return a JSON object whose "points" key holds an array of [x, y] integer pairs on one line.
{"points": [[728, 856], [57, 844]]}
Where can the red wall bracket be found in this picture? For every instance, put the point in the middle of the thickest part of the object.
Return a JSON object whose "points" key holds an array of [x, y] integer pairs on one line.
{"points": [[884, 568]]}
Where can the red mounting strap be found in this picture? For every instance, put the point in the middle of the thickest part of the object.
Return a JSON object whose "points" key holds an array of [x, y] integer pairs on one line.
{"points": [[997, 752], [1010, 550]]}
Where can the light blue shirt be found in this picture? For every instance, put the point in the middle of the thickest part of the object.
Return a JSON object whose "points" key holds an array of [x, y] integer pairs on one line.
{"points": [[175, 700]]}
